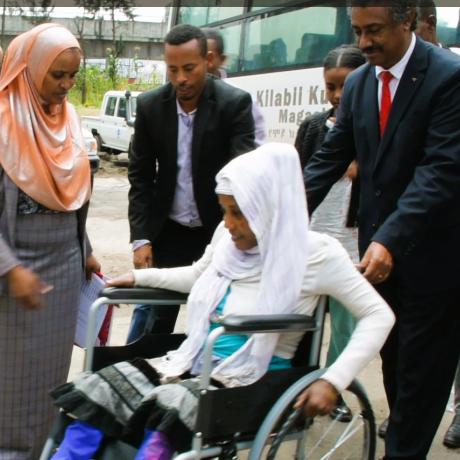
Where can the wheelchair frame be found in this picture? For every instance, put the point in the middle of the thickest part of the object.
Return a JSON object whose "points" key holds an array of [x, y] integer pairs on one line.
{"points": [[229, 325]]}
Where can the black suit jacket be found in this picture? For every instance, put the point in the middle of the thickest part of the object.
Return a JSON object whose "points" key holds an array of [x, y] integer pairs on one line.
{"points": [[410, 179], [223, 128]]}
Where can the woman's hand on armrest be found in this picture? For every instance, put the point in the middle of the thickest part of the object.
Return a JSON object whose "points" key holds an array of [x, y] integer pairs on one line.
{"points": [[125, 280]]}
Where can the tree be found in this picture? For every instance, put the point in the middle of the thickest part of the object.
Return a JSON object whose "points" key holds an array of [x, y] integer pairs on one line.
{"points": [[89, 11], [112, 7], [5, 3], [36, 12], [126, 6]]}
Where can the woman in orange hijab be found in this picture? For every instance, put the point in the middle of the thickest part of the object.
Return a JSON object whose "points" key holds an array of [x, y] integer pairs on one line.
{"points": [[45, 187]]}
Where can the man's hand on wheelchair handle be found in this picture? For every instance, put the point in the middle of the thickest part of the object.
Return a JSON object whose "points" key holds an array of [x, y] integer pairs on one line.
{"points": [[376, 264], [319, 398], [143, 256]]}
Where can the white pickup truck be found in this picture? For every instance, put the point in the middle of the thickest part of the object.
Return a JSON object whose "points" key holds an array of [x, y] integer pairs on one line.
{"points": [[114, 127]]}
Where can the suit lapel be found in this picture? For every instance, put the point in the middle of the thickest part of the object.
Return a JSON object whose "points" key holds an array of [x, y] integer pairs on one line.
{"points": [[170, 128], [205, 106], [371, 110], [411, 80]]}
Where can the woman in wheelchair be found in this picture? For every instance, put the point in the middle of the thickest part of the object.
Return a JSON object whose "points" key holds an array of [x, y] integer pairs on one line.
{"points": [[261, 260]]}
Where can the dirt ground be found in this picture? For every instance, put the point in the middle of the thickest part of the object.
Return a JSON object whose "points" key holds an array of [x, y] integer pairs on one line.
{"points": [[109, 233]]}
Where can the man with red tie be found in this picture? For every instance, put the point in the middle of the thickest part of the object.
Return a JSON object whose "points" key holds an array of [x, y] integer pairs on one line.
{"points": [[400, 119]]}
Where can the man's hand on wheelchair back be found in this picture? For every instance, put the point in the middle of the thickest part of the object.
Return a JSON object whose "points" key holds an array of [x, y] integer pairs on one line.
{"points": [[125, 280], [319, 398], [143, 257]]}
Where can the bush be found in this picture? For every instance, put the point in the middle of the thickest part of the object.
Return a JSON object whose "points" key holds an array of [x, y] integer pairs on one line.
{"points": [[98, 82]]}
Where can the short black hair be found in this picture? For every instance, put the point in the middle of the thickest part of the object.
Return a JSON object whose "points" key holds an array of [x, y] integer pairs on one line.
{"points": [[425, 9], [214, 34], [400, 10], [183, 33], [348, 56]]}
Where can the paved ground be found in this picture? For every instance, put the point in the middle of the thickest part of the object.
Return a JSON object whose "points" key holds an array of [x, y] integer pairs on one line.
{"points": [[109, 233]]}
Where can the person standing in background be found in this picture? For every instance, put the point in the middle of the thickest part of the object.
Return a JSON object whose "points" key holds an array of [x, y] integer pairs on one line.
{"points": [[427, 22], [45, 186], [185, 132], [336, 216], [217, 58]]}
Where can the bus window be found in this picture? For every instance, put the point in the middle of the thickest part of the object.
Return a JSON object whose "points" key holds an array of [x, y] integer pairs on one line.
{"points": [[201, 15], [298, 37], [448, 27], [231, 36]]}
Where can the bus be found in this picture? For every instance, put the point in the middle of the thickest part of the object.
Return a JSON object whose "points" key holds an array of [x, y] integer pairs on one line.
{"points": [[276, 52]]}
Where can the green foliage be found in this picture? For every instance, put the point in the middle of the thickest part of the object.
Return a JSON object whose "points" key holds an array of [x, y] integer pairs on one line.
{"points": [[112, 68], [98, 82]]}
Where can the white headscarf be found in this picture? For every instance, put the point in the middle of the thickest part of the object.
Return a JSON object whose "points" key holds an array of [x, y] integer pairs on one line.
{"points": [[267, 185]]}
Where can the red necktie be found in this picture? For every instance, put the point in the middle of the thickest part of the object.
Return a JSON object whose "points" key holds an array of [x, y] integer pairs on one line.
{"points": [[385, 102]]}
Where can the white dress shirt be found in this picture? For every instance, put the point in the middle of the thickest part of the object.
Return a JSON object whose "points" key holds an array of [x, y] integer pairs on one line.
{"points": [[397, 71], [184, 209]]}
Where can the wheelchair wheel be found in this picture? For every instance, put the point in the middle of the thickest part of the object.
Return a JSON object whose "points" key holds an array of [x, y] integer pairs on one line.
{"points": [[286, 434]]}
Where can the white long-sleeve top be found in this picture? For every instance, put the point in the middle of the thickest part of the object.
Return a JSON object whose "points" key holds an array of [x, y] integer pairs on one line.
{"points": [[330, 271]]}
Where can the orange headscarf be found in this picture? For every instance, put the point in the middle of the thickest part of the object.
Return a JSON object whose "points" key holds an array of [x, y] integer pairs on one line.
{"points": [[42, 153]]}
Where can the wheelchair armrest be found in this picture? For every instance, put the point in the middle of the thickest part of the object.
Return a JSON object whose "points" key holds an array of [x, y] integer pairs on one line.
{"points": [[142, 294], [268, 323]]}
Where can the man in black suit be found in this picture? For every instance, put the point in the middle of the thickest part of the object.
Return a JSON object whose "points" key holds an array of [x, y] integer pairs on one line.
{"points": [[400, 118], [185, 132]]}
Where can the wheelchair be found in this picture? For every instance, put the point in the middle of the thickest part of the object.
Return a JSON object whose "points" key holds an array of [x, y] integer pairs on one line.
{"points": [[258, 418]]}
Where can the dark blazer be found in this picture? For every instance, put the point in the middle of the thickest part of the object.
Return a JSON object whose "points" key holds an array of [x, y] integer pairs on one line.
{"points": [[223, 128], [410, 179], [309, 139], [311, 134]]}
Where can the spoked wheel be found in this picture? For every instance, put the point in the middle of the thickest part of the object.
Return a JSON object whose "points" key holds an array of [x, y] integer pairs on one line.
{"points": [[286, 434]]}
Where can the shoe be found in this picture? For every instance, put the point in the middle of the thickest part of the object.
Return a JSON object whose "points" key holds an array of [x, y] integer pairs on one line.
{"points": [[341, 412], [452, 436], [382, 431]]}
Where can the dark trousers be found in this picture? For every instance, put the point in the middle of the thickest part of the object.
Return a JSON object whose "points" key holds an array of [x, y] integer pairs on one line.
{"points": [[175, 246], [419, 360]]}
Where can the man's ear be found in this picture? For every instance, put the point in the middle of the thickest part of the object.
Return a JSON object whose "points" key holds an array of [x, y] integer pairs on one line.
{"points": [[210, 61], [223, 59], [431, 21]]}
